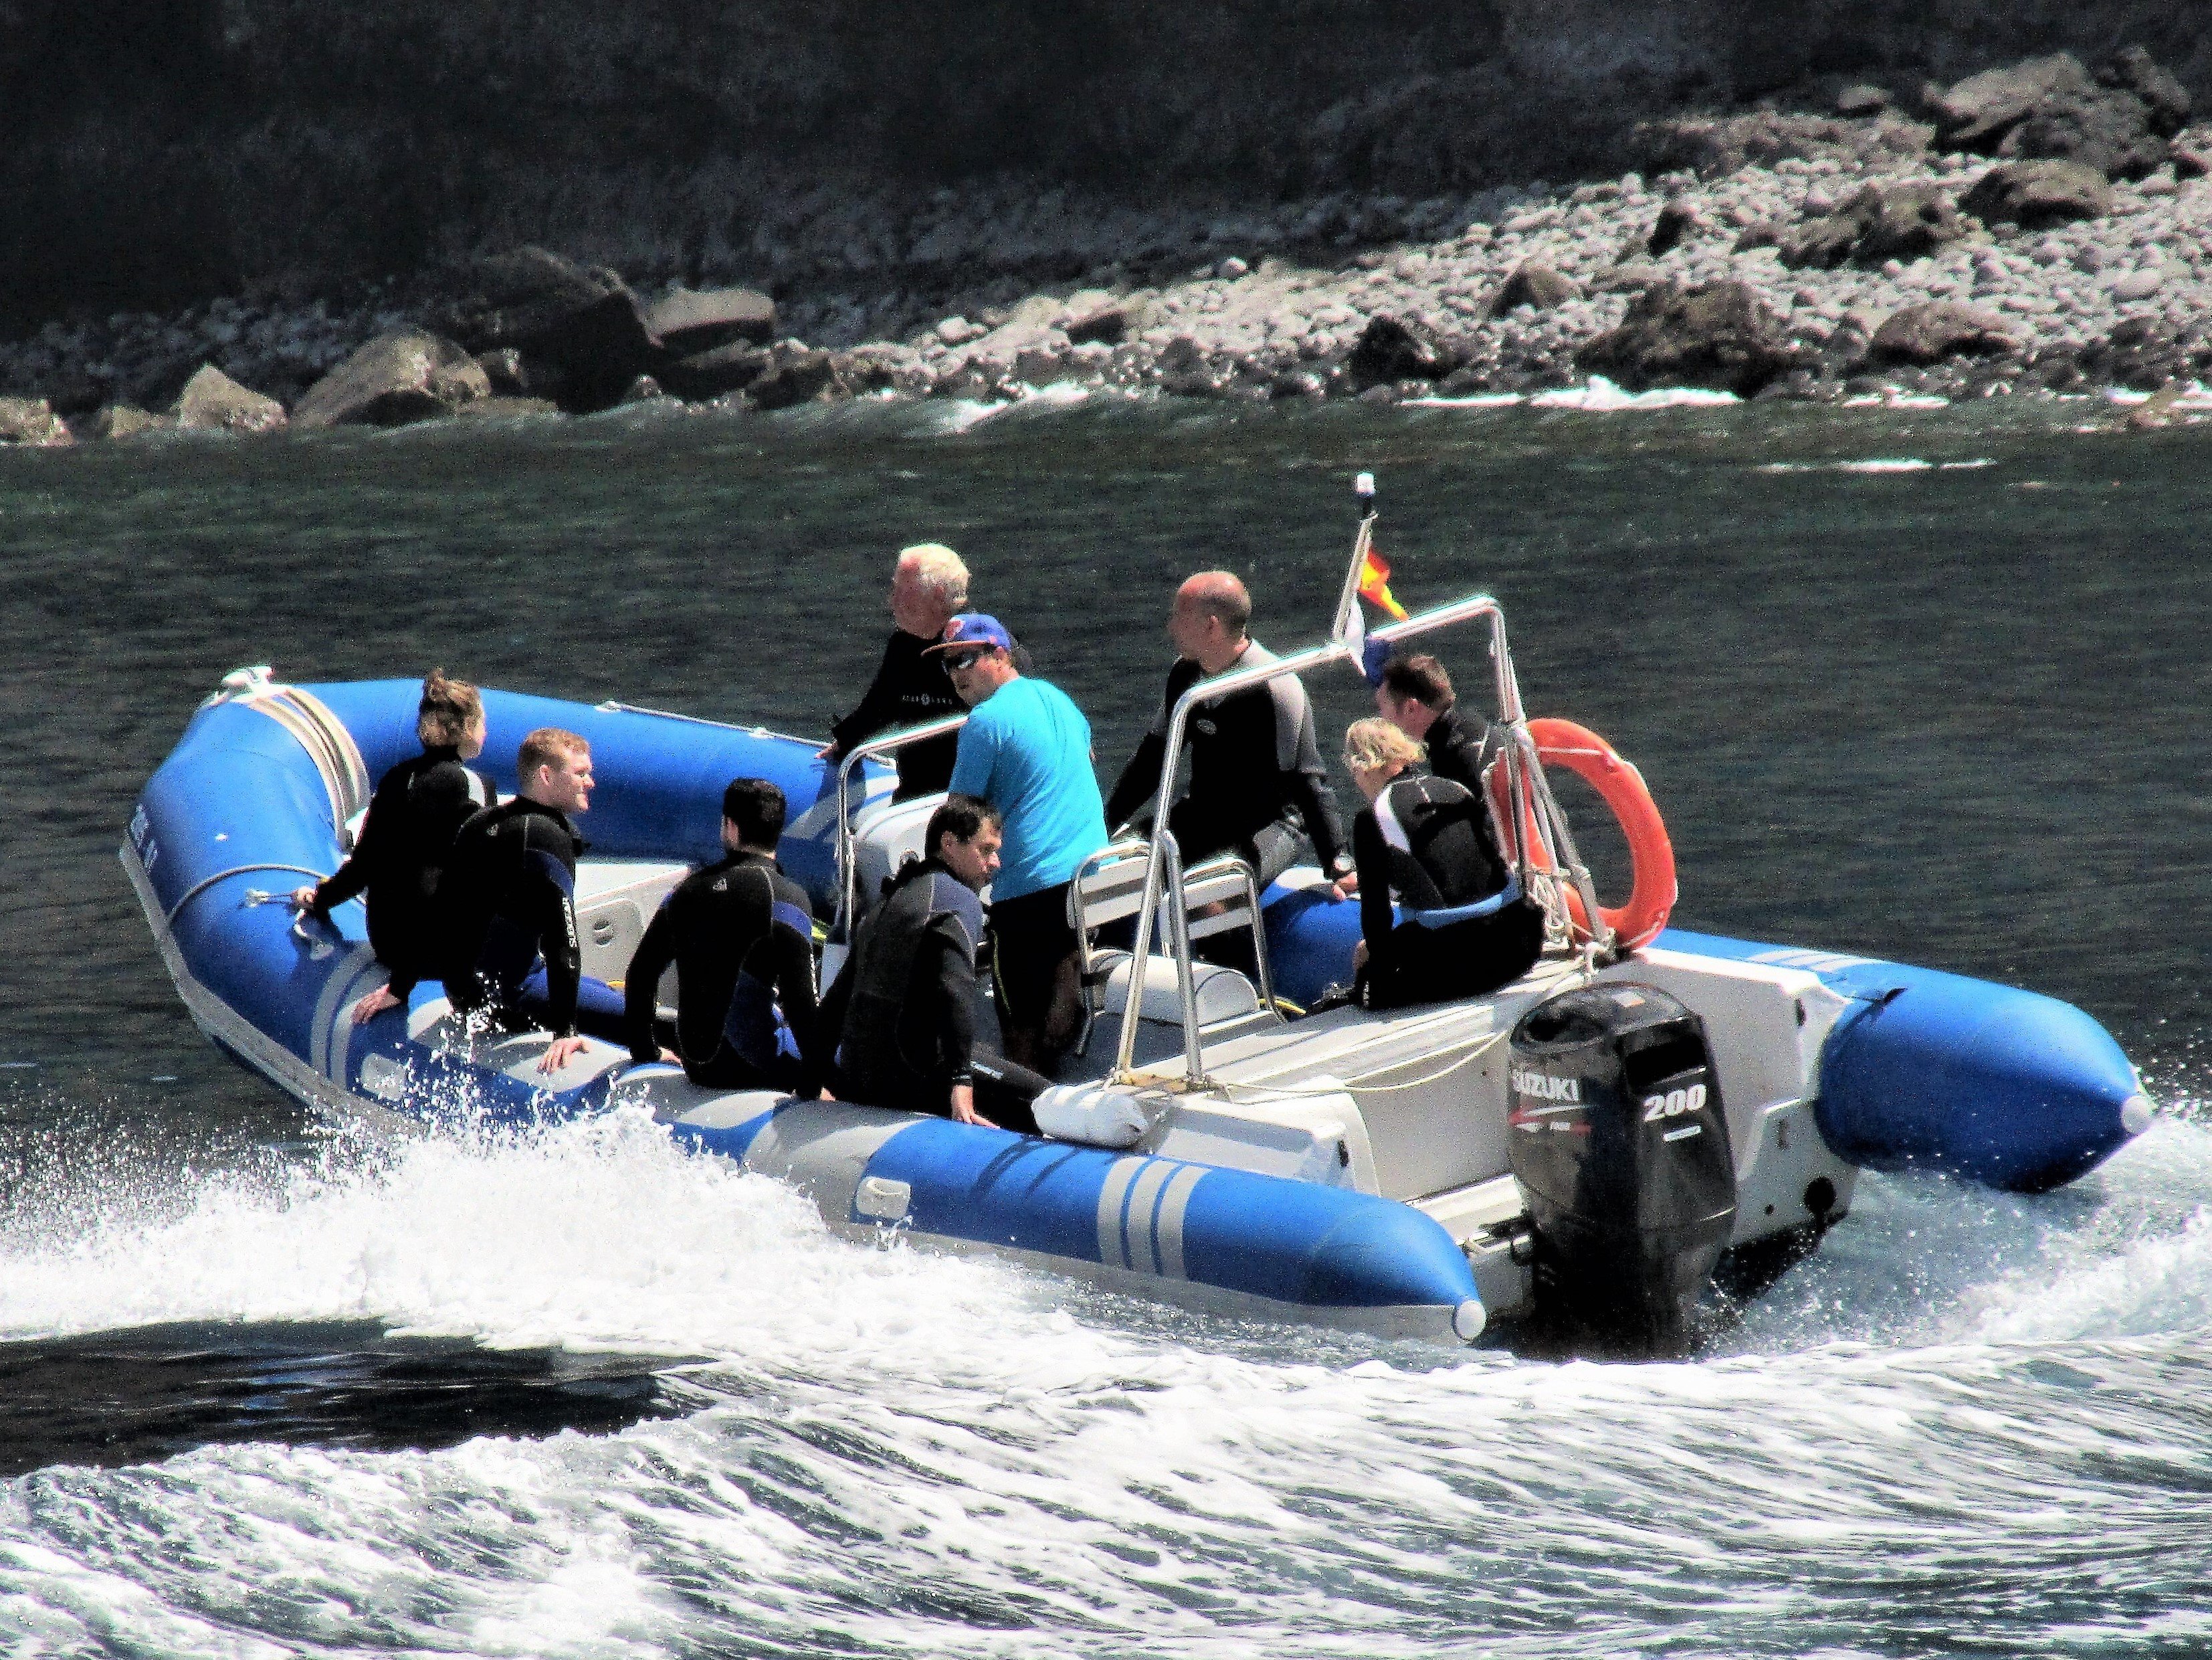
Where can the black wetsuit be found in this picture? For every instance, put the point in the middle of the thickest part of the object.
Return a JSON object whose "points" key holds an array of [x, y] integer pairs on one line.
{"points": [[509, 896], [1256, 777], [1461, 746], [742, 938], [418, 808], [910, 688], [897, 1029], [1467, 929]]}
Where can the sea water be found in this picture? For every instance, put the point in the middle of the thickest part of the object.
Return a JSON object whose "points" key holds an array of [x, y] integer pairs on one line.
{"points": [[1918, 683]]}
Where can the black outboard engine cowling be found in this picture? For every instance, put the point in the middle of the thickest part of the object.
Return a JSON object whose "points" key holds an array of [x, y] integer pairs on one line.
{"points": [[1617, 1137]]}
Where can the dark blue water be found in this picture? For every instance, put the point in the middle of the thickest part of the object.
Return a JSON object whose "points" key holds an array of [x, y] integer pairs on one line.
{"points": [[574, 1395]]}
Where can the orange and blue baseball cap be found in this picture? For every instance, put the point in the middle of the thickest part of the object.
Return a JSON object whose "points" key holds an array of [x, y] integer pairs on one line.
{"points": [[971, 629]]}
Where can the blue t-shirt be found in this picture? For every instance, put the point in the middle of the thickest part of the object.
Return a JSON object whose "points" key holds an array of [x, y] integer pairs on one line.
{"points": [[1026, 750]]}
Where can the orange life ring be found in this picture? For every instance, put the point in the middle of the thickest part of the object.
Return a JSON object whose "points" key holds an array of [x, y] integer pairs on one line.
{"points": [[1651, 899]]}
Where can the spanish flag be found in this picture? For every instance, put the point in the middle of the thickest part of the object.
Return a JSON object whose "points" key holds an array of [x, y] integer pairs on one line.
{"points": [[1375, 584]]}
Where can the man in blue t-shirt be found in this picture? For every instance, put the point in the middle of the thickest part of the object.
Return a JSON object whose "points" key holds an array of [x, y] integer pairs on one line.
{"points": [[1026, 750]]}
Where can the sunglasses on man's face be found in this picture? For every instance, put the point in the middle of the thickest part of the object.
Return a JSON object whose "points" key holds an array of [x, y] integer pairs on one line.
{"points": [[960, 661]]}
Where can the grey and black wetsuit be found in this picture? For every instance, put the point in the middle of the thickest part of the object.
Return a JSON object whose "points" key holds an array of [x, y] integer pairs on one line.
{"points": [[742, 938], [897, 1029], [1256, 777], [509, 896], [1466, 927], [418, 808]]}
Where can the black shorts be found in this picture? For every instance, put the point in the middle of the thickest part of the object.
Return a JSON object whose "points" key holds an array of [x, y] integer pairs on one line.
{"points": [[1033, 938]]}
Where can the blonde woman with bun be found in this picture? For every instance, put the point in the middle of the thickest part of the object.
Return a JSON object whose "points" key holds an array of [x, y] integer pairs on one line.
{"points": [[418, 808], [1463, 926]]}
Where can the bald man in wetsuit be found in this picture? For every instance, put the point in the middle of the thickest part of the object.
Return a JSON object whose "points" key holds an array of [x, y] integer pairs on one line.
{"points": [[1257, 782]]}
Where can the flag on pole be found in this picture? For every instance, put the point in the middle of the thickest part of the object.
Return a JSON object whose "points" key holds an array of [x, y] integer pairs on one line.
{"points": [[1375, 584], [1368, 656]]}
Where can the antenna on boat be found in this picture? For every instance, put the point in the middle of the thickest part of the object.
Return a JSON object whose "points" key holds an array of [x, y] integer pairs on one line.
{"points": [[1349, 627]]}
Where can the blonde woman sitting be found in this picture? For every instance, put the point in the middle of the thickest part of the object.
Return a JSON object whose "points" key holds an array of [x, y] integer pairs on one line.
{"points": [[1465, 927]]}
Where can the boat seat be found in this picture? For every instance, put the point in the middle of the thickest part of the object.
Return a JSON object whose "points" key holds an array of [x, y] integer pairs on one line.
{"points": [[1221, 994], [1110, 888], [885, 835], [615, 899]]}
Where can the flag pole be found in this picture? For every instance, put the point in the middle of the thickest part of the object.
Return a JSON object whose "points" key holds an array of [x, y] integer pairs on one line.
{"points": [[1363, 492]]}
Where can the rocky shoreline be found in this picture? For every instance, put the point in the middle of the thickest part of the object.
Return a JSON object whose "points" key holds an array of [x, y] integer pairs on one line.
{"points": [[2038, 228]]}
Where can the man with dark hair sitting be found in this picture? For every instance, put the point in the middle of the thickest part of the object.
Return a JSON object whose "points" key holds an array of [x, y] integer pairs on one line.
{"points": [[742, 938], [1415, 695], [897, 1029]]}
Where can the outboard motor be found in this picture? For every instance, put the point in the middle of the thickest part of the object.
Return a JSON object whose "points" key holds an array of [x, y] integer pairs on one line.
{"points": [[1618, 1140]]}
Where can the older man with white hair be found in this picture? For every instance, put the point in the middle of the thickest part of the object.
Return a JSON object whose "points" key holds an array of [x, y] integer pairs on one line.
{"points": [[929, 586]]}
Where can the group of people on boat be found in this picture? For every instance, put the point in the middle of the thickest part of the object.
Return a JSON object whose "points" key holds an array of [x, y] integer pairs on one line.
{"points": [[481, 893]]}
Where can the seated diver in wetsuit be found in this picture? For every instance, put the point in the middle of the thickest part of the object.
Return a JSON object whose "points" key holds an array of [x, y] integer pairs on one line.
{"points": [[418, 808], [742, 938], [1415, 693], [509, 899], [1256, 779], [897, 1029], [1466, 927]]}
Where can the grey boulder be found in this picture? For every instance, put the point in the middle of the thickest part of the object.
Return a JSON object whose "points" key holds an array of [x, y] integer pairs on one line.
{"points": [[794, 376], [398, 378], [2167, 101], [212, 402], [1936, 330], [689, 321], [1903, 222], [123, 421], [2117, 121], [716, 372], [1389, 350], [1531, 284], [584, 320], [1978, 113], [32, 423], [2034, 194], [1720, 335]]}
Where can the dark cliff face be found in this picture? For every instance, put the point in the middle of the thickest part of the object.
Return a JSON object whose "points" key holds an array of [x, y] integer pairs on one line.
{"points": [[165, 149]]}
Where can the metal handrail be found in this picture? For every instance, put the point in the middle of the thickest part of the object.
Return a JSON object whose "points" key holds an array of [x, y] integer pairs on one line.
{"points": [[1163, 858], [883, 743]]}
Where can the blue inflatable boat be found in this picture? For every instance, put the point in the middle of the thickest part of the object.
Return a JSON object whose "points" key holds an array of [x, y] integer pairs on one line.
{"points": [[1617, 1119]]}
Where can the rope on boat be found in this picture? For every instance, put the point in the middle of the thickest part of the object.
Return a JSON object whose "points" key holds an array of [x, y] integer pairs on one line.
{"points": [[207, 882]]}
